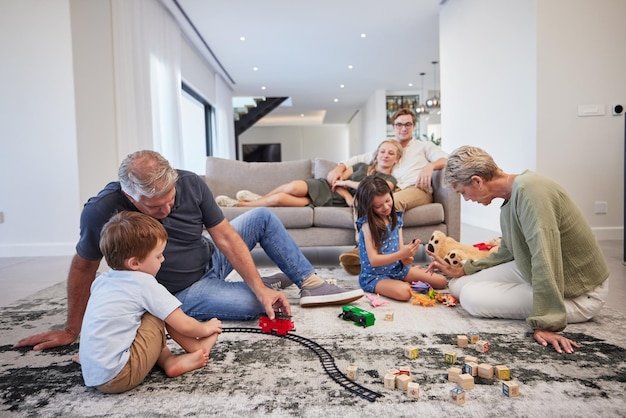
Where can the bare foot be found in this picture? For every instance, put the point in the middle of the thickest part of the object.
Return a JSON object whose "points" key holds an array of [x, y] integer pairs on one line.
{"points": [[207, 343], [177, 365], [76, 358]]}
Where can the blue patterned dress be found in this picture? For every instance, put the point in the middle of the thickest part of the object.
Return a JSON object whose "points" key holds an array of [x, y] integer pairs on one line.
{"points": [[370, 276]]}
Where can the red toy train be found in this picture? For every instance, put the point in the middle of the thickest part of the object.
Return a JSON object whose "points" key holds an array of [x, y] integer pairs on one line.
{"points": [[280, 325]]}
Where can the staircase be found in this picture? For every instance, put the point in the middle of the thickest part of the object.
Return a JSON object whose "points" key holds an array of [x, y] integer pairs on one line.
{"points": [[248, 114]]}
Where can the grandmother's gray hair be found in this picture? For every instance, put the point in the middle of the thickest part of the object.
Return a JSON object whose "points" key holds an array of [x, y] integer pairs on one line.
{"points": [[146, 174], [467, 161]]}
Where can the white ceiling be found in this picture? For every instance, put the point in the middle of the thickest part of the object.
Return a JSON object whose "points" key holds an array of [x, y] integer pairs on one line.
{"points": [[302, 50]]}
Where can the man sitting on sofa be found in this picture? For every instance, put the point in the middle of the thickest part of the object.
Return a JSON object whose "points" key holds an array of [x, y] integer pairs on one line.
{"points": [[413, 172], [195, 268]]}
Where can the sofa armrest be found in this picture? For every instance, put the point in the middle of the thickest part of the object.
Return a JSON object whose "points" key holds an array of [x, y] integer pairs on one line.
{"points": [[451, 202]]}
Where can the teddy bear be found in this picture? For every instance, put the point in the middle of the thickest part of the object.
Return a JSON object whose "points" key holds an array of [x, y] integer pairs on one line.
{"points": [[454, 252]]}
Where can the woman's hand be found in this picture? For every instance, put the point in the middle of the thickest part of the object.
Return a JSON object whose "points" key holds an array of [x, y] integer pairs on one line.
{"points": [[557, 341], [439, 264]]}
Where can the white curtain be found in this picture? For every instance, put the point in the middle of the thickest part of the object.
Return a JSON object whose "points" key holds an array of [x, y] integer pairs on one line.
{"points": [[146, 49]]}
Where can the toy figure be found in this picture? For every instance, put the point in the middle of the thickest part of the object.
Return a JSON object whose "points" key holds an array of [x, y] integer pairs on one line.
{"points": [[375, 300]]}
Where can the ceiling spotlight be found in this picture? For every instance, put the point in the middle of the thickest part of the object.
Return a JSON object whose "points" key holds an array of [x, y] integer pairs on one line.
{"points": [[335, 100], [350, 67], [255, 68], [410, 84], [341, 86], [363, 35], [242, 38], [263, 87]]}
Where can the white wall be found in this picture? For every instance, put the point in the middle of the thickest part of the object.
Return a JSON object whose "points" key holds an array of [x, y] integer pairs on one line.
{"points": [[581, 61], [57, 118], [38, 159], [512, 76]]}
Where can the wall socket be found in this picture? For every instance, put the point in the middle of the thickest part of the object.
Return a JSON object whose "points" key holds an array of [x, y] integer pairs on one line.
{"points": [[600, 208]]}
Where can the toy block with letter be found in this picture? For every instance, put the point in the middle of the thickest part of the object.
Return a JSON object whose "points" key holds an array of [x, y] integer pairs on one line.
{"points": [[510, 389], [457, 395], [413, 390], [503, 372], [411, 352], [450, 357]]}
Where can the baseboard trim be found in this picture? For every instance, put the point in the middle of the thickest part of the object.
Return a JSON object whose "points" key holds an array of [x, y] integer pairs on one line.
{"points": [[608, 233]]}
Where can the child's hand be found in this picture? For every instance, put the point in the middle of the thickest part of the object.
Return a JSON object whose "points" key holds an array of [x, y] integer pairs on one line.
{"points": [[408, 252], [213, 326]]}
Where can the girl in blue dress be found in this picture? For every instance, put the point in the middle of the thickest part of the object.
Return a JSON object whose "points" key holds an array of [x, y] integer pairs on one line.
{"points": [[385, 260]]}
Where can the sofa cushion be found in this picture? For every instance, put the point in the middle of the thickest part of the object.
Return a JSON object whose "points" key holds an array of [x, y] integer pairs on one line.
{"points": [[333, 217], [322, 167], [430, 214], [227, 177]]}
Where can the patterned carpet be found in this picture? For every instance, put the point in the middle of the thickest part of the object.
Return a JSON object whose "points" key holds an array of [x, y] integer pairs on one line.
{"points": [[264, 375]]}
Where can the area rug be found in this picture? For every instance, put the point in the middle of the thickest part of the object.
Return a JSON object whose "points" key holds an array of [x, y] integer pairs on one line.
{"points": [[264, 375]]}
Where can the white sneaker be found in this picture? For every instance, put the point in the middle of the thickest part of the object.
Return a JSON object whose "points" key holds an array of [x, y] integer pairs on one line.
{"points": [[247, 196], [225, 201]]}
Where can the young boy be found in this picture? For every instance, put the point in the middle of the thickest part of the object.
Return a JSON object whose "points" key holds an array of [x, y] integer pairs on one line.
{"points": [[122, 335]]}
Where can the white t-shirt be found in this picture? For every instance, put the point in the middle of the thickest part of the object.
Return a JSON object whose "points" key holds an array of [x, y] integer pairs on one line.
{"points": [[415, 156], [118, 301]]}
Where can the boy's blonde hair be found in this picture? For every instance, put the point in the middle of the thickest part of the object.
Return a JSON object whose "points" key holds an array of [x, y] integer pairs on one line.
{"points": [[130, 234]]}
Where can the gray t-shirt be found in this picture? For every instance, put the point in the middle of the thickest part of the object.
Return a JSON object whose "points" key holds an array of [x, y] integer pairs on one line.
{"points": [[187, 253]]}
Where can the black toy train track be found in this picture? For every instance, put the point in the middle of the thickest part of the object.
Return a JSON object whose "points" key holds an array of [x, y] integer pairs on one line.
{"points": [[327, 360]]}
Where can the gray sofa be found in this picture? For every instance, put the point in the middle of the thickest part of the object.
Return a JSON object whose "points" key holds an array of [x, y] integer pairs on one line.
{"points": [[325, 226]]}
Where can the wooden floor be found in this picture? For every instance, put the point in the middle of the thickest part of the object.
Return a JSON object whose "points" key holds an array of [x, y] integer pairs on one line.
{"points": [[23, 276]]}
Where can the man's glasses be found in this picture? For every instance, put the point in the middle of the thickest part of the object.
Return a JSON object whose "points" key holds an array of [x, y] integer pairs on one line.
{"points": [[407, 125]]}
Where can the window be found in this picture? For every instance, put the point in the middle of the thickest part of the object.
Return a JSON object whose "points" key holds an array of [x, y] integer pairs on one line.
{"points": [[197, 130]]}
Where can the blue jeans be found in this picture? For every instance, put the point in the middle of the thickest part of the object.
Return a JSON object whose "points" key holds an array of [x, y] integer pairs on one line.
{"points": [[213, 297]]}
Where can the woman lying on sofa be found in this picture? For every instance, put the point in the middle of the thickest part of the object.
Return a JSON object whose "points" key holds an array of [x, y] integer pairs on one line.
{"points": [[317, 192]]}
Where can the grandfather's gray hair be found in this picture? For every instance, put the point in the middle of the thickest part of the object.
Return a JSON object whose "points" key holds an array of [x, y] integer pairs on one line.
{"points": [[146, 174], [467, 161]]}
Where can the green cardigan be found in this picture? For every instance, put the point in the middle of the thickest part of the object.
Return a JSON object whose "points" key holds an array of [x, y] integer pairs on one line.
{"points": [[552, 244]]}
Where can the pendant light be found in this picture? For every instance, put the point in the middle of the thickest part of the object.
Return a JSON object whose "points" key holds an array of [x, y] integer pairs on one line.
{"points": [[434, 102], [421, 109]]}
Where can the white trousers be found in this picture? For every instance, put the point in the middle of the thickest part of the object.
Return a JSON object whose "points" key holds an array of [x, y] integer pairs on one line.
{"points": [[501, 292]]}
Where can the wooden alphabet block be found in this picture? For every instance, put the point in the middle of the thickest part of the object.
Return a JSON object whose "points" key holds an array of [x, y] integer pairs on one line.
{"points": [[466, 381], [405, 370], [411, 352], [470, 359], [503, 372], [352, 373], [454, 373], [510, 389], [482, 346], [450, 357], [413, 390], [473, 337], [389, 316], [471, 368], [389, 381], [462, 341], [402, 381], [457, 395], [485, 371]]}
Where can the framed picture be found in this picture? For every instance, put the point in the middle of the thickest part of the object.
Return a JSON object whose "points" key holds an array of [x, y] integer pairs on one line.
{"points": [[397, 102]]}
